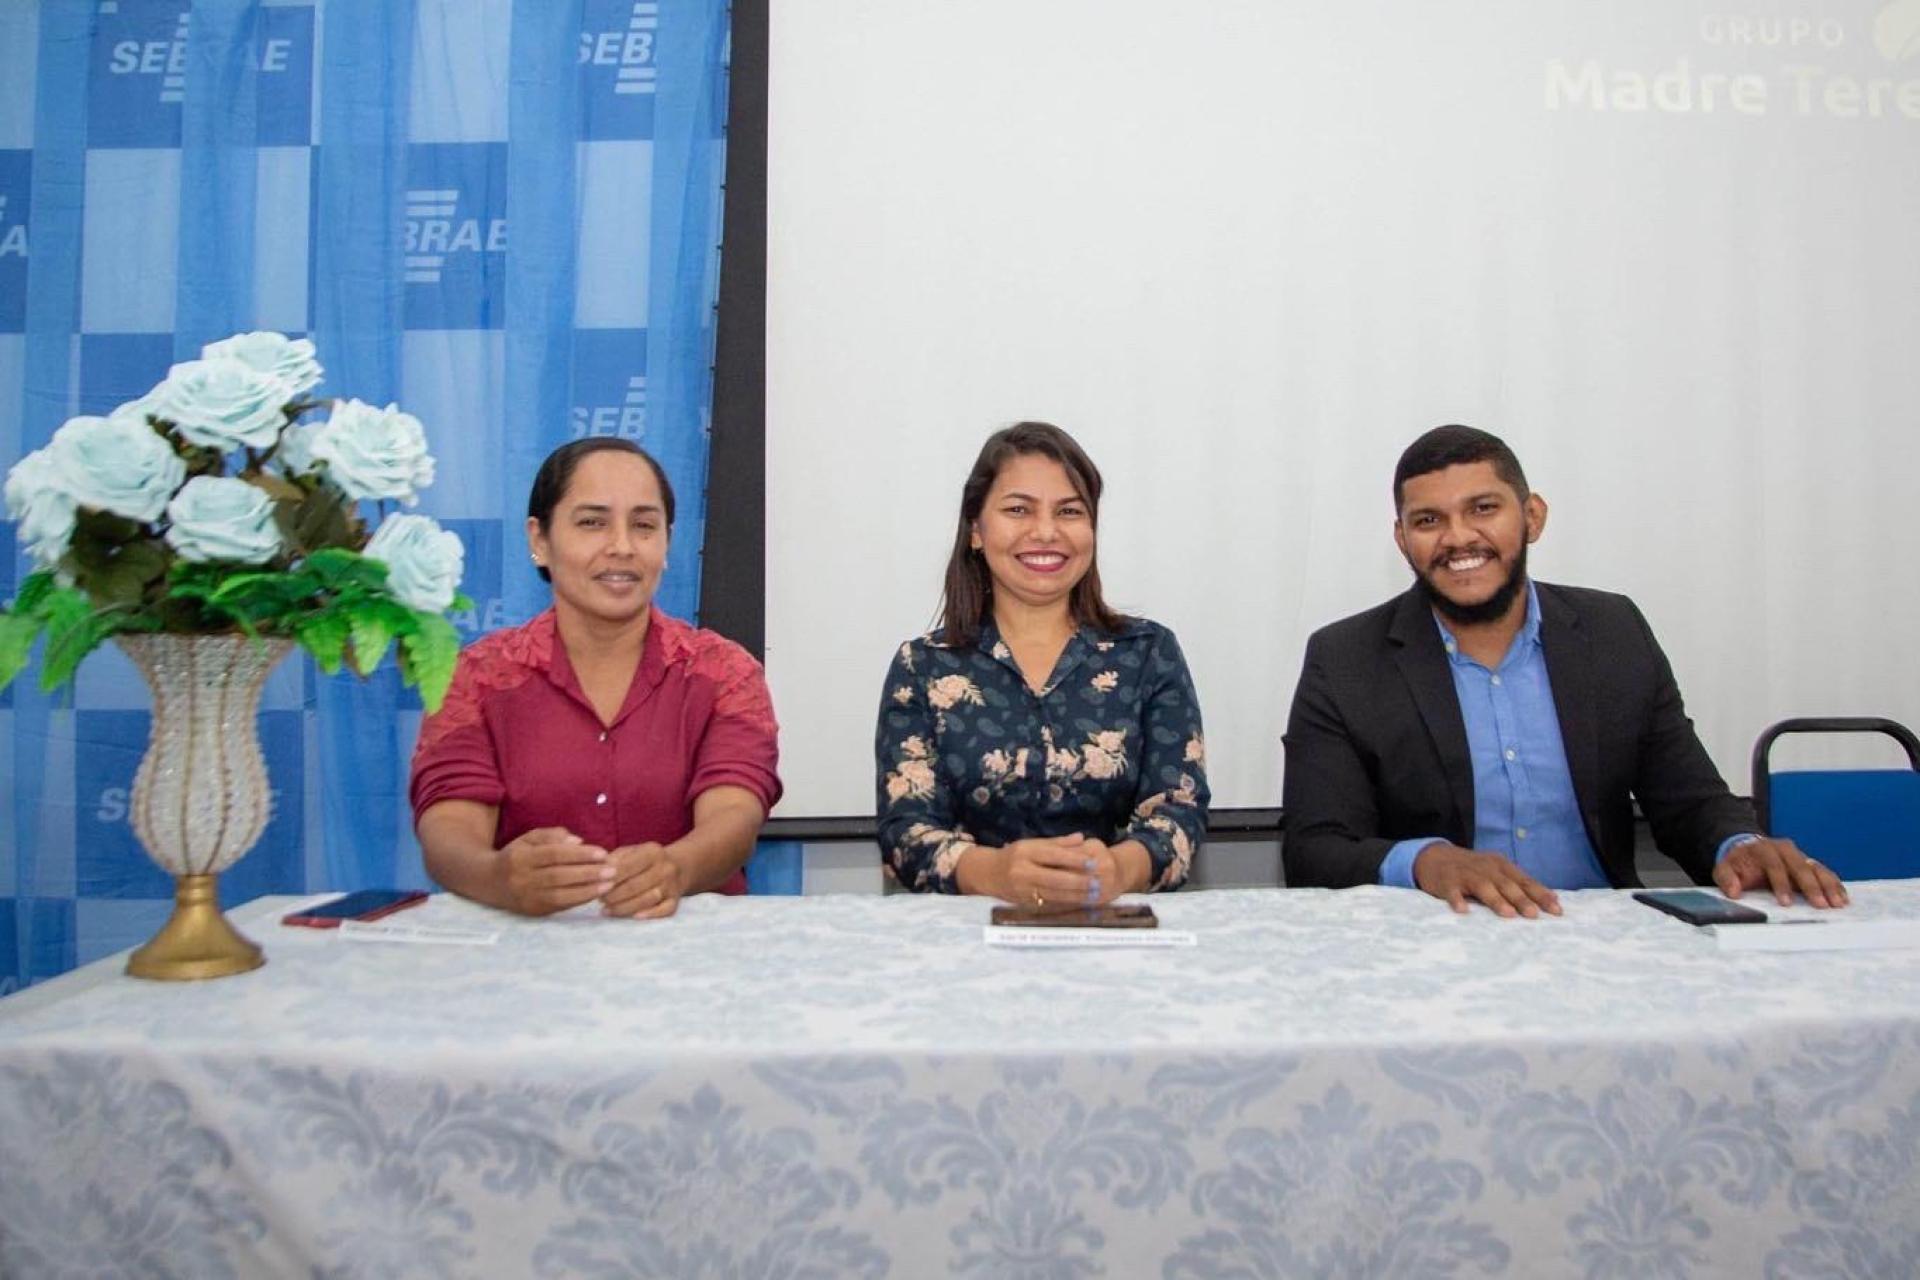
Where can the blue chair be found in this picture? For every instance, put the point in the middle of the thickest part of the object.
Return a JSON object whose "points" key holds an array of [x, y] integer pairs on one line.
{"points": [[1864, 823], [777, 867]]}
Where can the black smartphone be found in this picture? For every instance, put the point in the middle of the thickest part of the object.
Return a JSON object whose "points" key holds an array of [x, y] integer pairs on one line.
{"points": [[367, 904], [1697, 906], [1113, 915]]}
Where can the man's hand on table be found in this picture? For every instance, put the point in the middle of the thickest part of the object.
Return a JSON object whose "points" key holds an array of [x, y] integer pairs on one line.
{"points": [[1778, 865], [1458, 876]]}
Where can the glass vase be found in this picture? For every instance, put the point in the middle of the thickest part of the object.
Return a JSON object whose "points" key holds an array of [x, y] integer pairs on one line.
{"points": [[201, 797]]}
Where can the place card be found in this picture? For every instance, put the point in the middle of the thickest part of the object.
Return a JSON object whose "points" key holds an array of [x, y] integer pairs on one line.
{"points": [[1048, 939], [432, 935], [1819, 935]]}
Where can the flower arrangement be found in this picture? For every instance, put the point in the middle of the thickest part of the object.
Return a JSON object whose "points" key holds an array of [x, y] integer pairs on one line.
{"points": [[212, 505]]}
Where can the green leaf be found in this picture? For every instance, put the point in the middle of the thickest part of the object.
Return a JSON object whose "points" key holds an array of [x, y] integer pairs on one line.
{"points": [[286, 518], [33, 592], [73, 631], [371, 635], [128, 570], [198, 580], [375, 621], [252, 589], [431, 653], [322, 518], [339, 568], [18, 631], [240, 584], [146, 620], [266, 597], [176, 613], [324, 635], [116, 561], [201, 461], [94, 529]]}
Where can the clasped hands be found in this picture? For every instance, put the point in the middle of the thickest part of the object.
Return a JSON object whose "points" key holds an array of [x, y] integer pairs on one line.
{"points": [[1047, 871], [550, 869], [1459, 876]]}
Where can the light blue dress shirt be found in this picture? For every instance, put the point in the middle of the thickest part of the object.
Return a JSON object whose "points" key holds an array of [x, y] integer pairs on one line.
{"points": [[1523, 800]]}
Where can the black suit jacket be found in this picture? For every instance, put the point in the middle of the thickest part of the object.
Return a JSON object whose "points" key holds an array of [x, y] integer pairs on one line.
{"points": [[1377, 748]]}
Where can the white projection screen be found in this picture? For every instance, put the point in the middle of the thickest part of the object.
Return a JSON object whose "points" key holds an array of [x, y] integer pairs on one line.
{"points": [[1245, 250]]}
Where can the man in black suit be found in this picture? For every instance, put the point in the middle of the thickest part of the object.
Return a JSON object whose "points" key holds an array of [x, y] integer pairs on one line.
{"points": [[1479, 736]]}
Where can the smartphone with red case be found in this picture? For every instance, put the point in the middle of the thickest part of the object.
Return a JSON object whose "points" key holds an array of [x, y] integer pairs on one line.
{"points": [[1113, 915], [367, 904]]}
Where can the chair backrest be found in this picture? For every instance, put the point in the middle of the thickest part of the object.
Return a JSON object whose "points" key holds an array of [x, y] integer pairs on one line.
{"points": [[1864, 823], [776, 867]]}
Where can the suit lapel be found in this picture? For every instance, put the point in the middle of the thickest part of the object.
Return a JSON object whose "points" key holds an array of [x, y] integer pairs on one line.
{"points": [[1569, 653], [1423, 665]]}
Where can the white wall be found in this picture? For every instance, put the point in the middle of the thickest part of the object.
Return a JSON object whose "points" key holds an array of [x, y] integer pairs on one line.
{"points": [[1246, 249]]}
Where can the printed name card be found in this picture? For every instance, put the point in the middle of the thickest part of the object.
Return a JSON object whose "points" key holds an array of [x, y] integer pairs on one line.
{"points": [[390, 931], [1047, 939]]}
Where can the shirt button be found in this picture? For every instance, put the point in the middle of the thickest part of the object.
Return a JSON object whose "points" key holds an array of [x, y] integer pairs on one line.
{"points": [[1509, 753], [603, 735], [1520, 833], [1496, 680], [601, 798]]}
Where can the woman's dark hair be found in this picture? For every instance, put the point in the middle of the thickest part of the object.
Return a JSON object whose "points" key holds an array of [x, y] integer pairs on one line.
{"points": [[556, 473], [967, 601]]}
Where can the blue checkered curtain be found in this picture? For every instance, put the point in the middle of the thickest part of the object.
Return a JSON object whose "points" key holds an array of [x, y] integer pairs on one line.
{"points": [[503, 214]]}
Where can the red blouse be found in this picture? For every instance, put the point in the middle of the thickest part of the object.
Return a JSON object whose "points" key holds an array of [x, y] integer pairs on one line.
{"points": [[517, 731]]}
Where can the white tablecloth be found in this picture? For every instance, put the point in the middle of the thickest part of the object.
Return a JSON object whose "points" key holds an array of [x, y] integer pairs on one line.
{"points": [[1355, 1084]]}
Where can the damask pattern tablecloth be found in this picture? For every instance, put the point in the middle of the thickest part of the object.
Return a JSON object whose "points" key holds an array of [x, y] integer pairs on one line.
{"points": [[1351, 1084]]}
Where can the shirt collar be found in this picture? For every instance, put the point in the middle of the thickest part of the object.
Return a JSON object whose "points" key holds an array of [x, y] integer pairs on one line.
{"points": [[668, 641], [1080, 644], [1528, 637], [995, 648]]}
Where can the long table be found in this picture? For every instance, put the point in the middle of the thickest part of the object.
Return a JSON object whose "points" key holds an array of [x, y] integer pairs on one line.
{"points": [[1355, 1083]]}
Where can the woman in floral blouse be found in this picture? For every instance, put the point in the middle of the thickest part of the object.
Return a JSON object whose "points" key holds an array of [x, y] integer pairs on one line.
{"points": [[1039, 747]]}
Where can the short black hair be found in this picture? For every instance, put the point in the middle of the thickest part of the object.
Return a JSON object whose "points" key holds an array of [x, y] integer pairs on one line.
{"points": [[1453, 446], [556, 473]]}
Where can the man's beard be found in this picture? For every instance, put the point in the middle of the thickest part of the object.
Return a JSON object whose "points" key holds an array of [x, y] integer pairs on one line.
{"points": [[1493, 608]]}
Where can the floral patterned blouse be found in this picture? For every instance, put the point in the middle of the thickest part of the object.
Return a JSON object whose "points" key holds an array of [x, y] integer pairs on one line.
{"points": [[967, 754]]}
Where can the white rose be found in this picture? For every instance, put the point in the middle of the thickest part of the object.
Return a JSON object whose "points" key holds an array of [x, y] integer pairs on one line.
{"points": [[215, 518], [117, 464], [424, 561], [295, 456], [136, 409], [374, 453], [43, 510], [289, 359], [221, 404]]}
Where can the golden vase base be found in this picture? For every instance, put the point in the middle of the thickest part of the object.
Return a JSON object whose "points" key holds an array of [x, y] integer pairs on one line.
{"points": [[196, 941]]}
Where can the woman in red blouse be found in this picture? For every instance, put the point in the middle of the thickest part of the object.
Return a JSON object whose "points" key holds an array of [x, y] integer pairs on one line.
{"points": [[604, 750]]}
